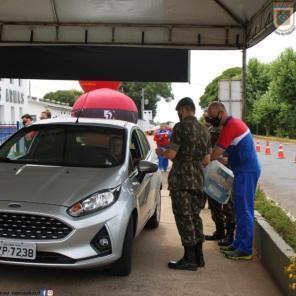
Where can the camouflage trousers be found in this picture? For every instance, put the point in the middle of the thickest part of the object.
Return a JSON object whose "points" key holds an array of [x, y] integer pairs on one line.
{"points": [[186, 208], [222, 214]]}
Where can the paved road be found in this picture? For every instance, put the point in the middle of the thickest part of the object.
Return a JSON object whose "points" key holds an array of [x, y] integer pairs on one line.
{"points": [[150, 275], [278, 178]]}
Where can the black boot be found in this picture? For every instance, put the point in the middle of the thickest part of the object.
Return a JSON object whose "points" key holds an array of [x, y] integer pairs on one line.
{"points": [[217, 235], [227, 241], [199, 255], [188, 262]]}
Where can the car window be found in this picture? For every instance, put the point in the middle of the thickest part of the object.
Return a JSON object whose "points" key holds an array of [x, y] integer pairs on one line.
{"points": [[44, 145], [86, 146], [135, 151], [144, 142]]}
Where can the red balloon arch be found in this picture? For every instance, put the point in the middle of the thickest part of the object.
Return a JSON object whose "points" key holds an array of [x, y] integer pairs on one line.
{"points": [[106, 103]]}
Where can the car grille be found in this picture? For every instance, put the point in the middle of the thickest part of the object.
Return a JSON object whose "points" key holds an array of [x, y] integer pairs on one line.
{"points": [[25, 226], [44, 257]]}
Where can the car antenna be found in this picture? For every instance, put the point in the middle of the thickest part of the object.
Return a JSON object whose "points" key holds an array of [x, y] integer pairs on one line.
{"points": [[81, 109]]}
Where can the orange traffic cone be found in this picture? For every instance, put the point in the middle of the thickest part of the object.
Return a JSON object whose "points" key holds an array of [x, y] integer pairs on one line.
{"points": [[258, 147], [281, 153], [267, 148]]}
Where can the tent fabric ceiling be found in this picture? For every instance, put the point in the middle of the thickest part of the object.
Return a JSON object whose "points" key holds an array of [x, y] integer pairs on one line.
{"points": [[190, 24]]}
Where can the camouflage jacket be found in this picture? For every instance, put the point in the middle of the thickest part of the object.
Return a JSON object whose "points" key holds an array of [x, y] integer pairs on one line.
{"points": [[192, 142]]}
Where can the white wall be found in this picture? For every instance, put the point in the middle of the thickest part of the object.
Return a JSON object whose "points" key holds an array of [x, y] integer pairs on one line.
{"points": [[144, 125], [13, 99], [15, 102]]}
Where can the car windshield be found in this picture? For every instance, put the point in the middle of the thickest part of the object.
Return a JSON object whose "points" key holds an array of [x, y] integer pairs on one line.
{"points": [[67, 145]]}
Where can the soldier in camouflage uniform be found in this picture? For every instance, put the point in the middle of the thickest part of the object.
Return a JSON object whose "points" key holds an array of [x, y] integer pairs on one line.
{"points": [[215, 207], [189, 150], [228, 211], [222, 215]]}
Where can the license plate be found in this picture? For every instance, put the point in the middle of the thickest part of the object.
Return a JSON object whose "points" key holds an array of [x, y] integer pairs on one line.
{"points": [[9, 249]]}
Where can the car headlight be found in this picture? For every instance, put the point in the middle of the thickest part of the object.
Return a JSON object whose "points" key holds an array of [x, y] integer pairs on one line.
{"points": [[95, 202]]}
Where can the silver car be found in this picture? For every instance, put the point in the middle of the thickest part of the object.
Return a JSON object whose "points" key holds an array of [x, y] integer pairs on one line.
{"points": [[74, 193]]}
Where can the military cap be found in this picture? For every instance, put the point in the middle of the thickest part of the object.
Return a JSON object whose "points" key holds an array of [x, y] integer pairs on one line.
{"points": [[185, 102]]}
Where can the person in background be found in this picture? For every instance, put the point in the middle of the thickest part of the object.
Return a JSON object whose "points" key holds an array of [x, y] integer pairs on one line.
{"points": [[237, 141], [115, 147], [214, 206], [162, 139], [27, 120], [189, 150], [45, 115]]}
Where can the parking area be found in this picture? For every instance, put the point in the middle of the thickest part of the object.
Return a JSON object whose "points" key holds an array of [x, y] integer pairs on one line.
{"points": [[150, 275]]}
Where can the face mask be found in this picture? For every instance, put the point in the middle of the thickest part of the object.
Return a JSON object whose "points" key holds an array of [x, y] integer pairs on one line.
{"points": [[215, 121]]}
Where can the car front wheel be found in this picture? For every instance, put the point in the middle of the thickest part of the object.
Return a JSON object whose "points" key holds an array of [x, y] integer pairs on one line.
{"points": [[123, 266]]}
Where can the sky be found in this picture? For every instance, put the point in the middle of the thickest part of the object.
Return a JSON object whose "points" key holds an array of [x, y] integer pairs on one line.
{"points": [[205, 65]]}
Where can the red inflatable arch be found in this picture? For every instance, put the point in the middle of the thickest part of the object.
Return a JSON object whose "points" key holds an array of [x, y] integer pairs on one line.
{"points": [[106, 103]]}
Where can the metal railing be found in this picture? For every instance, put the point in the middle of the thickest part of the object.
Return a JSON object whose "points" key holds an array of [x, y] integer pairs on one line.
{"points": [[6, 130]]}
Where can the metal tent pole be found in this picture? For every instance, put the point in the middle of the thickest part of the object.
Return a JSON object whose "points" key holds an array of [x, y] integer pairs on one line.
{"points": [[244, 79]]}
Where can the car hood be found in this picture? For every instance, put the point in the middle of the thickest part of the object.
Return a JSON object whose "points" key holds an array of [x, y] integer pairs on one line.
{"points": [[54, 184]]}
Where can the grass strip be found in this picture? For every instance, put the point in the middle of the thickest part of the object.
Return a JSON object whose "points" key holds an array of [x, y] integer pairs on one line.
{"points": [[277, 218]]}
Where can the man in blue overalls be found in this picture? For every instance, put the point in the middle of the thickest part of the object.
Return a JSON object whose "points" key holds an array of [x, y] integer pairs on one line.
{"points": [[237, 141]]}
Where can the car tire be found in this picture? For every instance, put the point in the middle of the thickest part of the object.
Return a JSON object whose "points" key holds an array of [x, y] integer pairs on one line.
{"points": [[123, 266], [153, 222]]}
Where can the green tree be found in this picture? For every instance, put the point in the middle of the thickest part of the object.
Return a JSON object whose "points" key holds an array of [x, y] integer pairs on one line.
{"points": [[65, 96], [283, 89], [258, 81], [286, 125], [283, 72], [153, 92], [211, 91], [265, 112], [271, 94]]}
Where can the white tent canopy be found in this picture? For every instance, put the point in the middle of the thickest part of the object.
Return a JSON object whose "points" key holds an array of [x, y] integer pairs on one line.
{"points": [[190, 24]]}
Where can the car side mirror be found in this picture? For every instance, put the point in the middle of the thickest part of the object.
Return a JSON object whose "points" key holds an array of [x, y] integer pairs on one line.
{"points": [[145, 166]]}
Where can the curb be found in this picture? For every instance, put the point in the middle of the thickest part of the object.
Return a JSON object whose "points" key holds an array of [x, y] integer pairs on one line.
{"points": [[275, 139], [274, 253]]}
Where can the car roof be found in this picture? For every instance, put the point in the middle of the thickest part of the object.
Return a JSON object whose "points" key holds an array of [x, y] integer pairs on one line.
{"points": [[91, 121]]}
